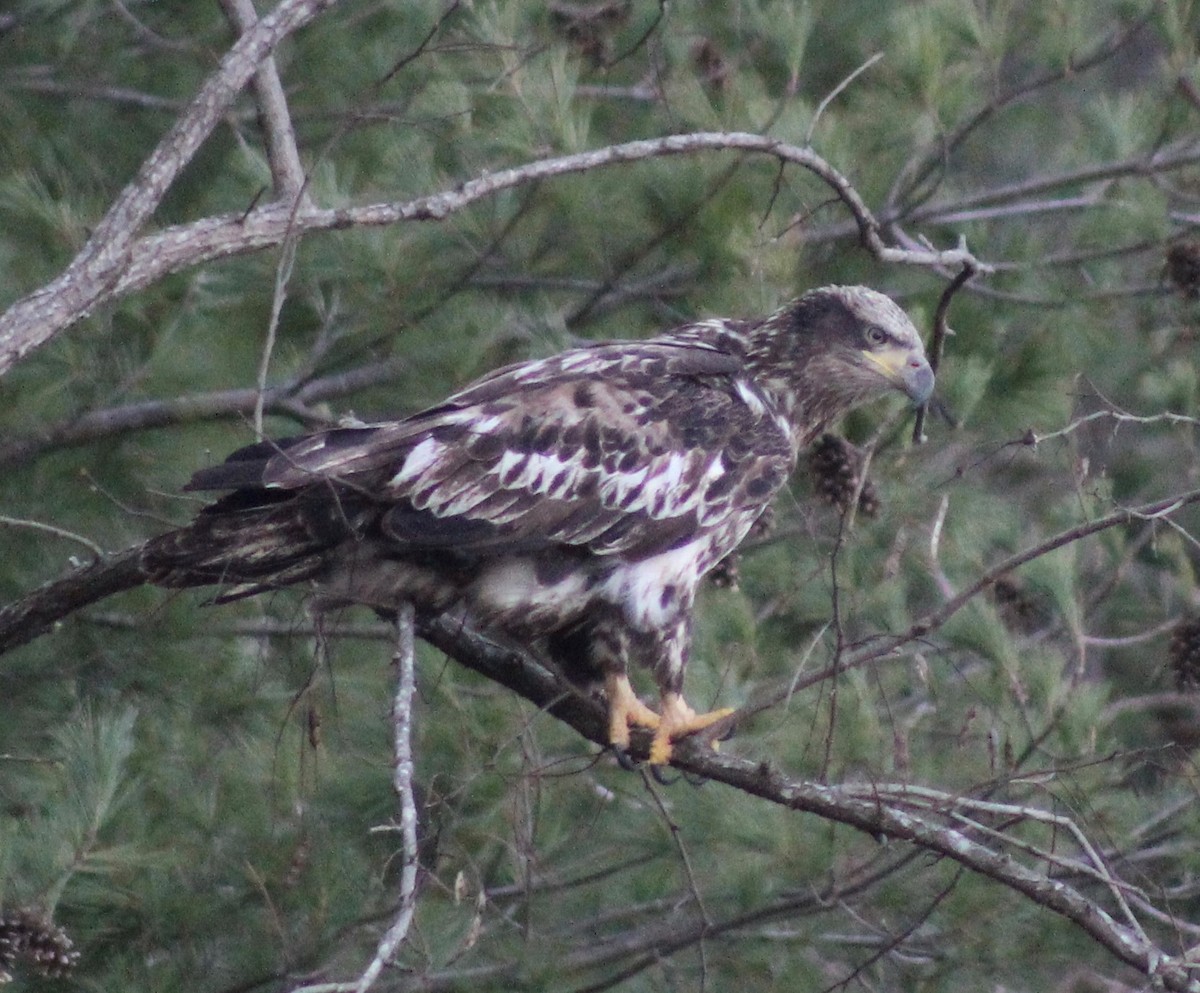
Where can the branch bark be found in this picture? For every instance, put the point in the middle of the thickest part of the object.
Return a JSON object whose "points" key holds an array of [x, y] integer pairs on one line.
{"points": [[36, 613], [290, 400], [106, 272], [90, 278], [879, 817], [282, 153], [404, 662]]}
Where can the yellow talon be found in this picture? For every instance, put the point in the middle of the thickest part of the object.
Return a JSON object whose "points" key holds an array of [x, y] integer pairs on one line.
{"points": [[678, 720], [625, 710]]}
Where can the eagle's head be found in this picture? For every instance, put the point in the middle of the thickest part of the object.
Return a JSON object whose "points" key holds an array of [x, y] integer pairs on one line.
{"points": [[835, 348]]}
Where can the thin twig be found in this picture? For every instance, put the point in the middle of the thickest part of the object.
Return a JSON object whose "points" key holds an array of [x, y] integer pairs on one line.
{"points": [[283, 275], [937, 343], [402, 783], [287, 173], [1161, 161], [835, 93], [91, 546], [871, 651], [918, 170]]}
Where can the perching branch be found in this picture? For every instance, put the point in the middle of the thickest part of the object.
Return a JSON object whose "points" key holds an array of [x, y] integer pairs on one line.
{"points": [[894, 811], [944, 824], [37, 612]]}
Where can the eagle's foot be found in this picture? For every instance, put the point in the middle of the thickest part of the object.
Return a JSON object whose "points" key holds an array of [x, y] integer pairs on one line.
{"points": [[678, 720], [625, 711]]}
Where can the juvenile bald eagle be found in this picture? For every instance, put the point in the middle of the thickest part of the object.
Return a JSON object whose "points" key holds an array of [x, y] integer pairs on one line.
{"points": [[570, 504]]}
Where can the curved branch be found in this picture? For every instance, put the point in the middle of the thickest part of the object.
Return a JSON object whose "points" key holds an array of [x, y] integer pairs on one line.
{"points": [[937, 342], [78, 291], [191, 244]]}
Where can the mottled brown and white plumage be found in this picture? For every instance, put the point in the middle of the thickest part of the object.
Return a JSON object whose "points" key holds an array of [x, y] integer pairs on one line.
{"points": [[570, 504]]}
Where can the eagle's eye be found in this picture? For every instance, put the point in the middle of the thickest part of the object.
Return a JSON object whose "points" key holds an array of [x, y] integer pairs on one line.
{"points": [[877, 336]]}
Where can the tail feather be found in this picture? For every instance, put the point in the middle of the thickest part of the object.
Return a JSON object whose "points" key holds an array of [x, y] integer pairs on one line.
{"points": [[249, 551]]}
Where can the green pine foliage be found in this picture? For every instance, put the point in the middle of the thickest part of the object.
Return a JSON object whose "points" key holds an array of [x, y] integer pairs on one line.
{"points": [[192, 793]]}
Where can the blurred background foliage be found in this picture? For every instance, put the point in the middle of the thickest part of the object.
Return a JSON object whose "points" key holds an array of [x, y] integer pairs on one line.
{"points": [[191, 792]]}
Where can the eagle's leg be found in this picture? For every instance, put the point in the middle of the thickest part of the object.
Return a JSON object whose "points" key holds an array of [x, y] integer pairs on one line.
{"points": [[625, 710], [678, 720], [669, 648]]}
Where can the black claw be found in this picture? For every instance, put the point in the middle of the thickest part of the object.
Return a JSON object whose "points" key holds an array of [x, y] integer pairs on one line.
{"points": [[624, 759], [659, 772]]}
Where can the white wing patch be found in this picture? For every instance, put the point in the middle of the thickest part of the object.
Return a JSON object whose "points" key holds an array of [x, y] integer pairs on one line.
{"points": [[751, 397], [542, 474], [573, 361], [417, 462], [619, 488]]}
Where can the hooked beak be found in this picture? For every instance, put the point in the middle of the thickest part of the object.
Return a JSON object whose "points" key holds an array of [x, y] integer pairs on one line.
{"points": [[906, 368]]}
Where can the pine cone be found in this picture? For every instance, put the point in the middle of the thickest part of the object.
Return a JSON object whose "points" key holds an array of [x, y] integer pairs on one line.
{"points": [[726, 573], [710, 64], [590, 26], [1184, 654], [1019, 610], [1183, 267], [28, 937], [835, 466]]}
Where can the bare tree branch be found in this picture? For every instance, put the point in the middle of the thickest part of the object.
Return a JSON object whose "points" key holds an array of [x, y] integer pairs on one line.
{"points": [[931, 820], [873, 812], [290, 400], [97, 277], [34, 614], [282, 153], [89, 279]]}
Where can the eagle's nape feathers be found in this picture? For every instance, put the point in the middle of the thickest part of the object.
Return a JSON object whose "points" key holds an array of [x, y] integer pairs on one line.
{"points": [[571, 504]]}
